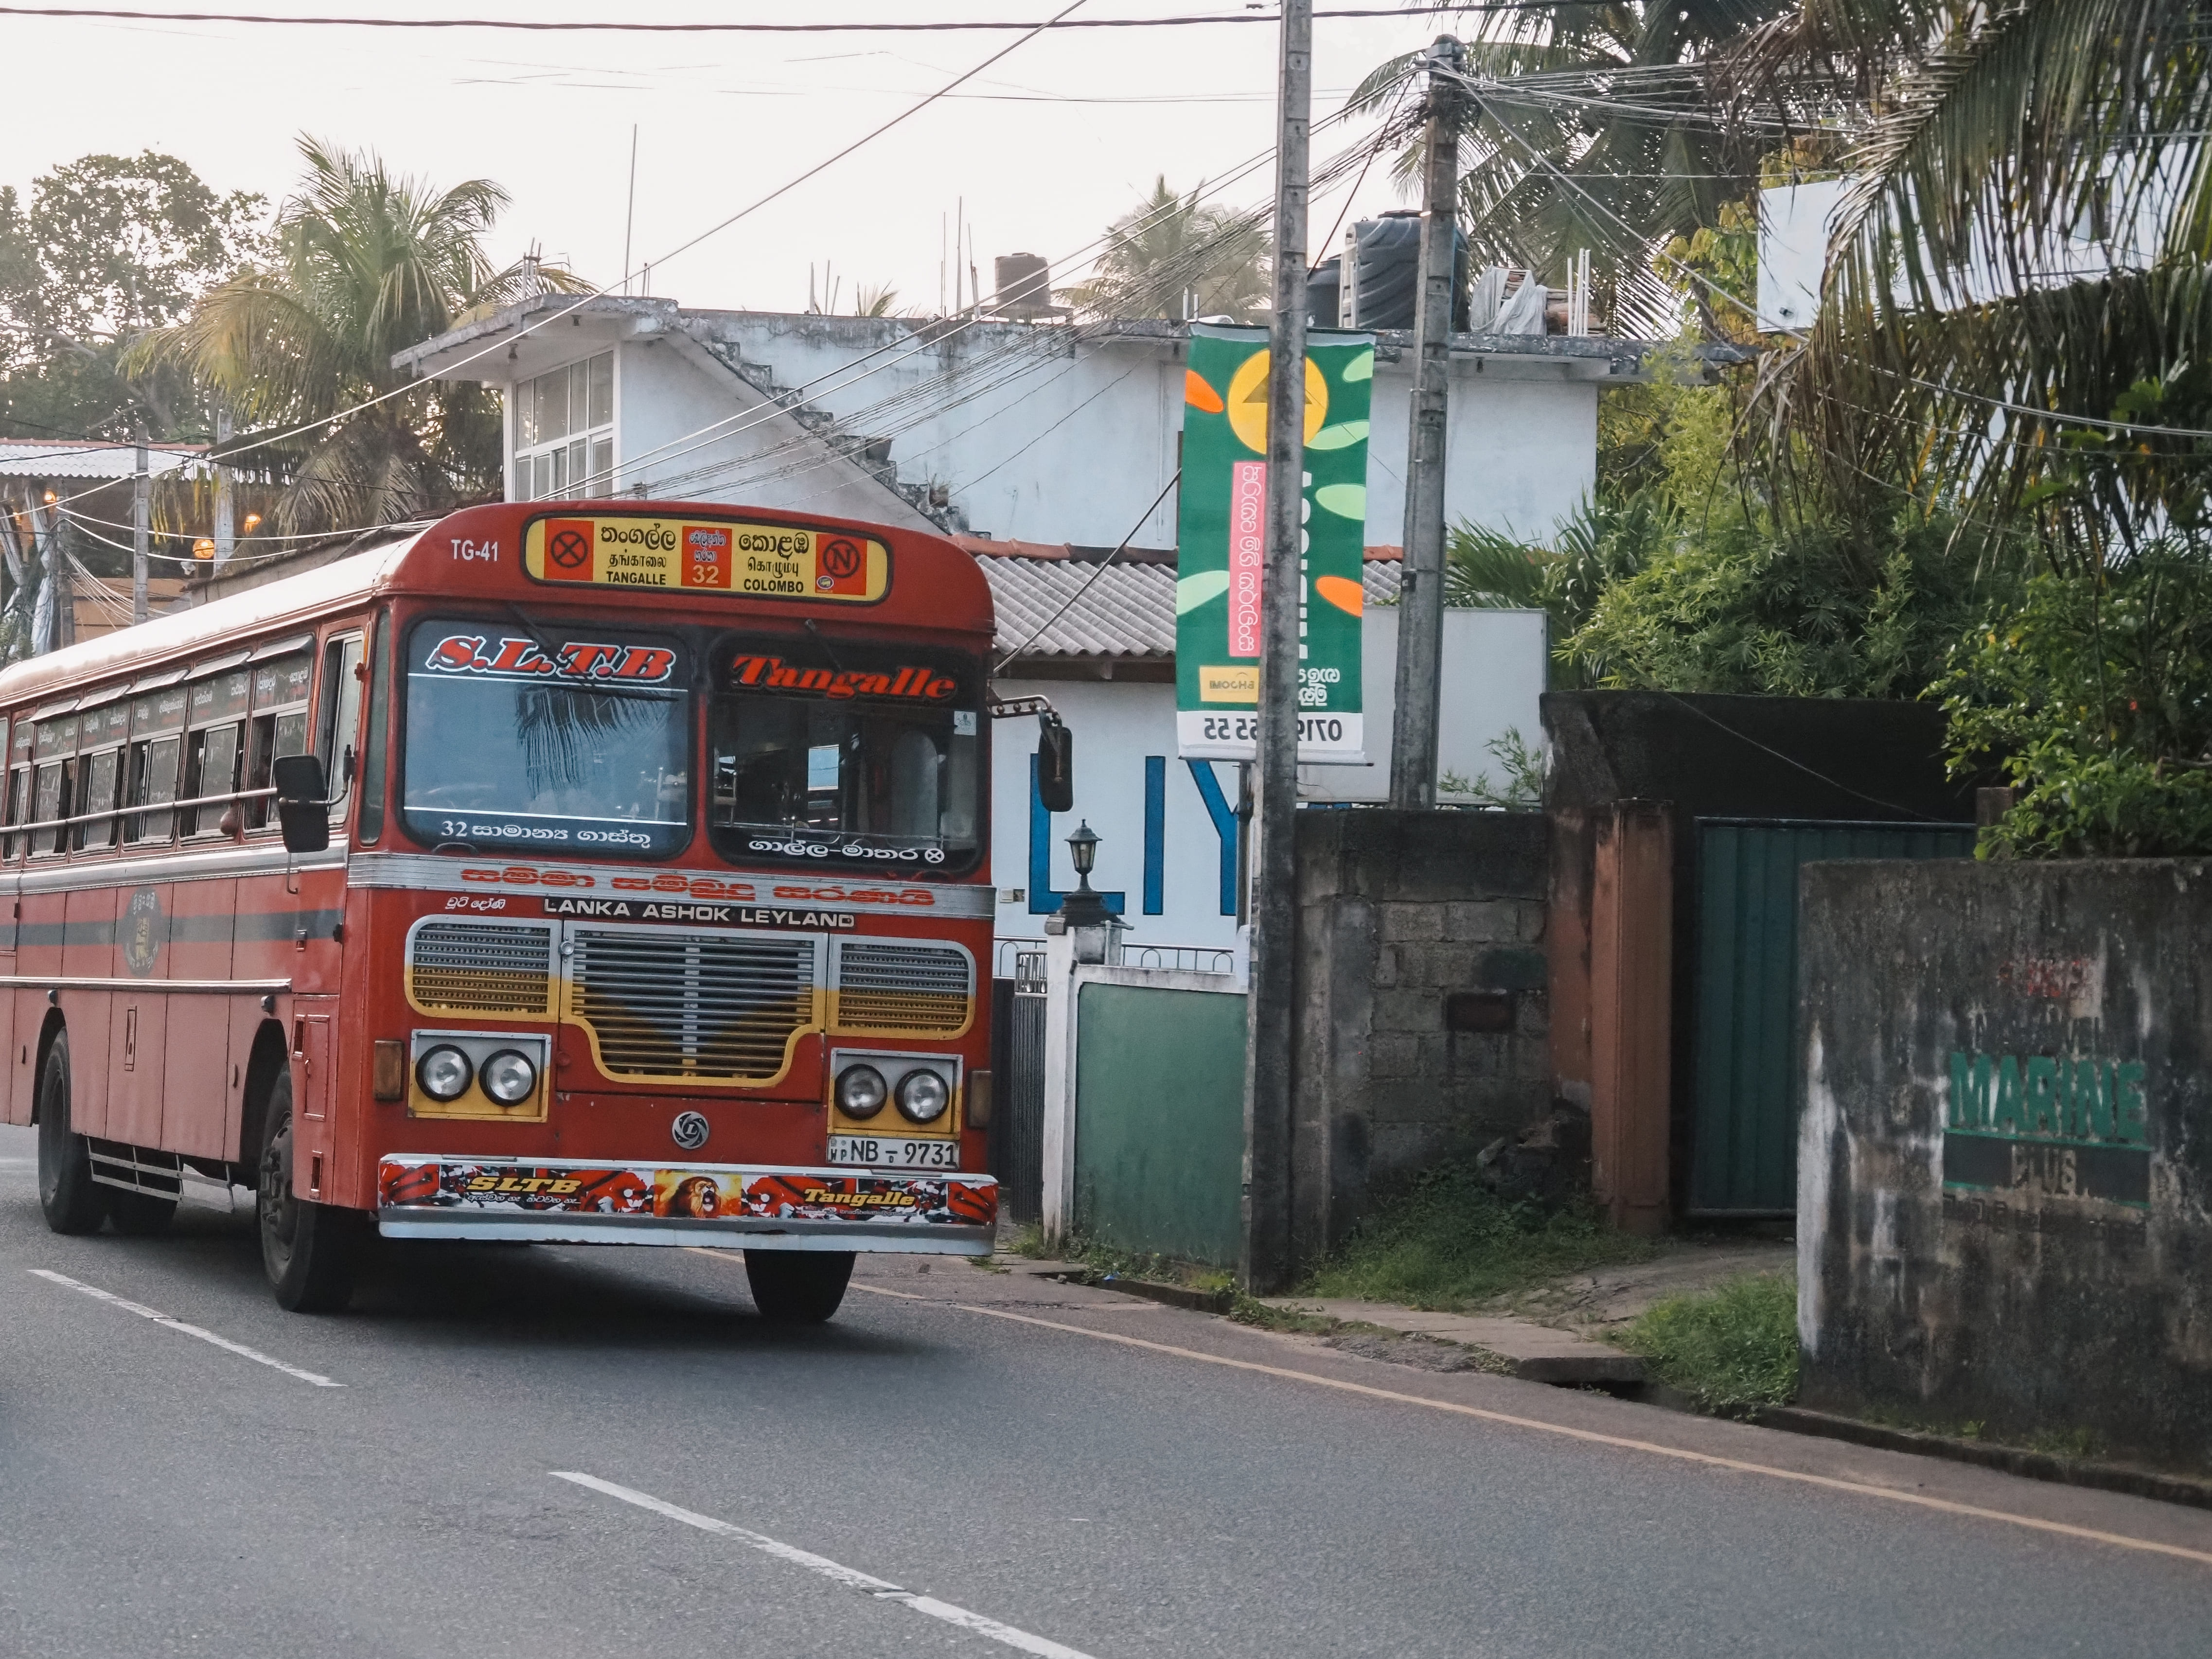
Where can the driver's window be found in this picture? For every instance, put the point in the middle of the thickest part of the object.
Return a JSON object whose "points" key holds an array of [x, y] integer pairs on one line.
{"points": [[337, 731]]}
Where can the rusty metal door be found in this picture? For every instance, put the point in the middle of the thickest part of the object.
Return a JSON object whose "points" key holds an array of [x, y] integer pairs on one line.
{"points": [[1743, 1115], [1018, 1123]]}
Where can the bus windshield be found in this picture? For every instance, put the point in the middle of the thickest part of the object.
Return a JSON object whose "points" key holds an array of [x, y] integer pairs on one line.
{"points": [[519, 737], [837, 754]]}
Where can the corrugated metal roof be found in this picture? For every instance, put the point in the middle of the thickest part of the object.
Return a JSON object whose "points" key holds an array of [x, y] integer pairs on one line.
{"points": [[1127, 612], [34, 458]]}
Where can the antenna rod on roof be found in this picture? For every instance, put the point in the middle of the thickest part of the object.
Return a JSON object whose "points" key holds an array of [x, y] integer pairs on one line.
{"points": [[629, 212]]}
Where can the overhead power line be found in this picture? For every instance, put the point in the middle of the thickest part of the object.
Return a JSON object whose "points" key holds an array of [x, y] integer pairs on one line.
{"points": [[912, 110], [308, 21]]}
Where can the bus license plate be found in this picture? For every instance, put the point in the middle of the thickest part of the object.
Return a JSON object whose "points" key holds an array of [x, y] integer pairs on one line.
{"points": [[878, 1152]]}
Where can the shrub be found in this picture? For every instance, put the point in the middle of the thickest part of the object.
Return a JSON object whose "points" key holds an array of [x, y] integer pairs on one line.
{"points": [[1731, 1350]]}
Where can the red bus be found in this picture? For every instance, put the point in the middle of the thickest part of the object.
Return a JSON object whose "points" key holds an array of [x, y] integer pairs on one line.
{"points": [[588, 872]]}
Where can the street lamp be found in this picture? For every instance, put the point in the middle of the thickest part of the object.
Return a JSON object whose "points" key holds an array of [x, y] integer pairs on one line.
{"points": [[1083, 908]]}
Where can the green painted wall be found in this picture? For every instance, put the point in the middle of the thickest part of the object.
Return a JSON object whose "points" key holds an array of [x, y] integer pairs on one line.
{"points": [[1159, 1120]]}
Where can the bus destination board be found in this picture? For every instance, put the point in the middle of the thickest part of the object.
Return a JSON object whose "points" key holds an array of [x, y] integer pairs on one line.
{"points": [[749, 560]]}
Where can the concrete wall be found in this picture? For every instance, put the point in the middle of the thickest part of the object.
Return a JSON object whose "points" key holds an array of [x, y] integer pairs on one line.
{"points": [[1422, 1008], [2005, 1155]]}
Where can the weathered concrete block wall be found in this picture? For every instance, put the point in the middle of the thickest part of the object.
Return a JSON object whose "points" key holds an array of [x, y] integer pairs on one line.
{"points": [[2005, 1156], [1423, 1025]]}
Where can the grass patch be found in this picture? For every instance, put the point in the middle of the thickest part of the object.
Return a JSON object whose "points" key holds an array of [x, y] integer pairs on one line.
{"points": [[1731, 1350], [1451, 1241]]}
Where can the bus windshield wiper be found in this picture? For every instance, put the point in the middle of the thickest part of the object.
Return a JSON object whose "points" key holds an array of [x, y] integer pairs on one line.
{"points": [[552, 654]]}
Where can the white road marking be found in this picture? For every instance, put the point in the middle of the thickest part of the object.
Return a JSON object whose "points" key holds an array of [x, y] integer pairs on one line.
{"points": [[176, 1324], [1588, 1437], [851, 1578]]}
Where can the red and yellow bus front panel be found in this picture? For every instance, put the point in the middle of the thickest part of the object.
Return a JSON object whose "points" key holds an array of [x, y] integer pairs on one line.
{"points": [[687, 1028]]}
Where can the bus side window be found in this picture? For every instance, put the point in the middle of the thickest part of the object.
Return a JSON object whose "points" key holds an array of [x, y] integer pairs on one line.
{"points": [[104, 737], [49, 800], [52, 785], [102, 772], [211, 750], [19, 798], [153, 783], [338, 731], [22, 743], [279, 728]]}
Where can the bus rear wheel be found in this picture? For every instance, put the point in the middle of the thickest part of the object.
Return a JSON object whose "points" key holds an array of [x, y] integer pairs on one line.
{"points": [[72, 1200], [798, 1287], [309, 1251]]}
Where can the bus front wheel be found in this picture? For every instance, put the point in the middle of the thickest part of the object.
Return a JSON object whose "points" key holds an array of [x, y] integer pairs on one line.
{"points": [[72, 1200], [309, 1251], [798, 1287]]}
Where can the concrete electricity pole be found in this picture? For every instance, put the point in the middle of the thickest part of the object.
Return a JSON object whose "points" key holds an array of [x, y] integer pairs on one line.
{"points": [[141, 527], [226, 529], [1421, 591], [1264, 1263]]}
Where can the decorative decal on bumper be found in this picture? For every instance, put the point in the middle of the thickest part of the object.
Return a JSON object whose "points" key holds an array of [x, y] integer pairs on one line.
{"points": [[707, 1196]]}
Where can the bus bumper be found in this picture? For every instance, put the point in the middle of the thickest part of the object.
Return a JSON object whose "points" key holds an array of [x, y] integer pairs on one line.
{"points": [[718, 1206]]}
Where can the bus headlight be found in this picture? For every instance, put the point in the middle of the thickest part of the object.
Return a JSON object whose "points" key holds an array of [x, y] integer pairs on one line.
{"points": [[508, 1077], [444, 1073], [860, 1091], [922, 1096]]}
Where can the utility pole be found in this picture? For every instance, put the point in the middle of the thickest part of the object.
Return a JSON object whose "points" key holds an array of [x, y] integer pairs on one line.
{"points": [[1264, 1263], [1421, 590], [141, 528], [226, 529]]}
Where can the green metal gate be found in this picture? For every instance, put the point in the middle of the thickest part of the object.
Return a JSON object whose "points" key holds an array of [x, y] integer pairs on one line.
{"points": [[1743, 1129], [1159, 1120]]}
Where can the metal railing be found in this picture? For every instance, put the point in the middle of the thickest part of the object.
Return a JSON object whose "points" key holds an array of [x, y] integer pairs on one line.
{"points": [[1023, 959]]}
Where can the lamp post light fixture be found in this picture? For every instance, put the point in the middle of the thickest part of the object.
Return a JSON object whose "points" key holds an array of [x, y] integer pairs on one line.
{"points": [[1083, 908]]}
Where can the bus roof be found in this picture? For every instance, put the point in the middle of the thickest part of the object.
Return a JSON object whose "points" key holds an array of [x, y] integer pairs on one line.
{"points": [[940, 584]]}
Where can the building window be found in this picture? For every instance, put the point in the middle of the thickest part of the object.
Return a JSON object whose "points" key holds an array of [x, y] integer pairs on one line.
{"points": [[564, 432]]}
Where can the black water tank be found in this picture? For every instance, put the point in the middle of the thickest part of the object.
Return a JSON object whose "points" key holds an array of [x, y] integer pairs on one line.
{"points": [[1323, 283], [1385, 277]]}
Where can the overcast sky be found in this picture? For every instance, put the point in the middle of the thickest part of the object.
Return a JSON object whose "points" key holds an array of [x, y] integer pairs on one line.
{"points": [[1045, 148]]}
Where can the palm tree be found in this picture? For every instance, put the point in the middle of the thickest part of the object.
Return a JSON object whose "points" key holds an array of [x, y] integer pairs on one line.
{"points": [[1170, 257], [2017, 301], [1602, 127], [365, 264]]}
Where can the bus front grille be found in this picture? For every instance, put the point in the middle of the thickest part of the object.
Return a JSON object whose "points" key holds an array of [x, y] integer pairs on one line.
{"points": [[882, 985], [684, 1006], [480, 968]]}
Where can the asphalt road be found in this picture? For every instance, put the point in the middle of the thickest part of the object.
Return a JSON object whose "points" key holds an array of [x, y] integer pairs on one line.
{"points": [[964, 1463]]}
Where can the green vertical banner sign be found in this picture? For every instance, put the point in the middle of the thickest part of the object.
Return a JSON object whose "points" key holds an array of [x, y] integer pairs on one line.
{"points": [[1221, 544]]}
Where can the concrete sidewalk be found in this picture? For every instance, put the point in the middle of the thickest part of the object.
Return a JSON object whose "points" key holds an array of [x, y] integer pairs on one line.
{"points": [[1535, 1352]]}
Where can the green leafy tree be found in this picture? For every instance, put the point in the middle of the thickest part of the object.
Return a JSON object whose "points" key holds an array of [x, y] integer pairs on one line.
{"points": [[2023, 246], [2095, 697], [1596, 126], [365, 264], [109, 248], [1172, 255]]}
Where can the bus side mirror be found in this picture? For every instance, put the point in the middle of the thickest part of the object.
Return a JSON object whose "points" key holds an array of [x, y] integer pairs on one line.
{"points": [[300, 808], [1056, 764]]}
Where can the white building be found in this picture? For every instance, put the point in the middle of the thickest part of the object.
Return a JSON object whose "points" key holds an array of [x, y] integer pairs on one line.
{"points": [[1019, 431], [1044, 447]]}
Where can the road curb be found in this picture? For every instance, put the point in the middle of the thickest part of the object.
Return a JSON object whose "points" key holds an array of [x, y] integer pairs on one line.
{"points": [[2012, 1460]]}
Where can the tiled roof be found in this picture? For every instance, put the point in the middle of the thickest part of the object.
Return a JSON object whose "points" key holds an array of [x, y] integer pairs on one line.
{"points": [[1059, 608], [1054, 607]]}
